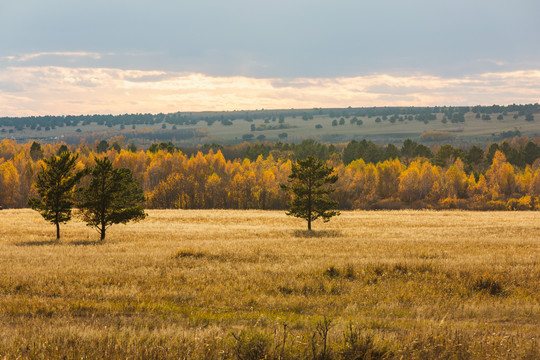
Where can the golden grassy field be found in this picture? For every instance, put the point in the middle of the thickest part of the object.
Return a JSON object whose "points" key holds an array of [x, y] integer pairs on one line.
{"points": [[255, 284]]}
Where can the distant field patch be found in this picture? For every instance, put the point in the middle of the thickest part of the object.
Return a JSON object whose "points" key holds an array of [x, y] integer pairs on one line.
{"points": [[437, 136]]}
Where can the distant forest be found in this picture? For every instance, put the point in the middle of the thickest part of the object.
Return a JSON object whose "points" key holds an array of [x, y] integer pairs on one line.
{"points": [[452, 114], [504, 175]]}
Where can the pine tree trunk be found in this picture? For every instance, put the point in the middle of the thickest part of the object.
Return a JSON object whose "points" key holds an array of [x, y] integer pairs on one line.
{"points": [[57, 231], [309, 208]]}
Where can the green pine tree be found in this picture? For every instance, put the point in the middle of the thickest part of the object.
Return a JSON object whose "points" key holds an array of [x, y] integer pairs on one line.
{"points": [[113, 196], [36, 152], [55, 184], [310, 183]]}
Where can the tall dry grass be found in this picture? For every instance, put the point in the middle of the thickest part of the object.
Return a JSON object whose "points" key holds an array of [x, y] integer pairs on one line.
{"points": [[255, 284]]}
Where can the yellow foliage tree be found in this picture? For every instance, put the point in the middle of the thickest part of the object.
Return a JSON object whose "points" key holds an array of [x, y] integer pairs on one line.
{"points": [[456, 180], [169, 193], [388, 173], [9, 185], [409, 183], [501, 176]]}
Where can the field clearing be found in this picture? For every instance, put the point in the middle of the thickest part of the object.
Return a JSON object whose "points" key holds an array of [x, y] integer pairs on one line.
{"points": [[472, 130], [248, 284]]}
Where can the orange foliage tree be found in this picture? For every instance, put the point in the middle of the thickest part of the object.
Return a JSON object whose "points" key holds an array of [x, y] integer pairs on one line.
{"points": [[174, 180]]}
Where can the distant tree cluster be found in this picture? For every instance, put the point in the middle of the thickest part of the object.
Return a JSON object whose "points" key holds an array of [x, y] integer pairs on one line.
{"points": [[519, 152], [226, 118], [112, 196]]}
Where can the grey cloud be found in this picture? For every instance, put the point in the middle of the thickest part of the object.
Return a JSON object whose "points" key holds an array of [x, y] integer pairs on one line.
{"points": [[66, 59], [396, 90], [301, 38], [150, 78], [11, 87], [396, 98], [297, 84], [86, 83]]}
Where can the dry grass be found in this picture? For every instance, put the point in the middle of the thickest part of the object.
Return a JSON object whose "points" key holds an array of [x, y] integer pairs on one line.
{"points": [[254, 284]]}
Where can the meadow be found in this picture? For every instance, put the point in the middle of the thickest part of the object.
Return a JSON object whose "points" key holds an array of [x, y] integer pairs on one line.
{"points": [[473, 130], [222, 284]]}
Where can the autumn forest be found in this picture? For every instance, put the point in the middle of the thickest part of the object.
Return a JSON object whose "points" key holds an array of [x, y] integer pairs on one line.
{"points": [[438, 178]]}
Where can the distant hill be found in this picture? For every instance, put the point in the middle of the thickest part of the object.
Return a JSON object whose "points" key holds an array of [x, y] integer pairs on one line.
{"points": [[474, 125]]}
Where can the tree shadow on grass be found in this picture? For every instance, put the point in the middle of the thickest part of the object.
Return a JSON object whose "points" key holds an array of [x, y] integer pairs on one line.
{"points": [[37, 243], [318, 233], [54, 242], [86, 242]]}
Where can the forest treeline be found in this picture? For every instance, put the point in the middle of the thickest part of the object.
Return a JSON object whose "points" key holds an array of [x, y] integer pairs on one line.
{"points": [[502, 176], [454, 114]]}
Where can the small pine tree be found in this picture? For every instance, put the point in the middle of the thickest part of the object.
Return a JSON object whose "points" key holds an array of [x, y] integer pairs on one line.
{"points": [[310, 183], [36, 152], [55, 184], [62, 149], [113, 196], [102, 146]]}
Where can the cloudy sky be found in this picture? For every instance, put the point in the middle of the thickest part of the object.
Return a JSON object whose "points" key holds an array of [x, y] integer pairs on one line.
{"points": [[112, 56]]}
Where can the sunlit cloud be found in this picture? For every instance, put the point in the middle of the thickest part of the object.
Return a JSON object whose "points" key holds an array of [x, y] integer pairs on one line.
{"points": [[55, 90], [70, 54]]}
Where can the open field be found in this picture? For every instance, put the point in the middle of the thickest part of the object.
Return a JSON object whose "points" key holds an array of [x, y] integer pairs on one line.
{"points": [[473, 130], [250, 284]]}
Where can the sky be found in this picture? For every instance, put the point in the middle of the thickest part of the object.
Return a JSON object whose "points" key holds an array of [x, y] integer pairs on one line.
{"points": [[111, 56]]}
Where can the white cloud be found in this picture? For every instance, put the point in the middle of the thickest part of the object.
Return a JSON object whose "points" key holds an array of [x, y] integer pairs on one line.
{"points": [[64, 54], [62, 90]]}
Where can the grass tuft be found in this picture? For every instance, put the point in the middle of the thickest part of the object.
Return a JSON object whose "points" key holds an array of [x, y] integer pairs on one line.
{"points": [[253, 345], [332, 271], [358, 345], [488, 284], [189, 253]]}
